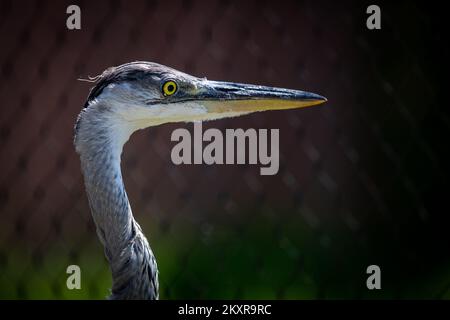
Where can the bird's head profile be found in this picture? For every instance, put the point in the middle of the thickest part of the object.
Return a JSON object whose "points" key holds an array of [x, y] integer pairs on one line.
{"points": [[141, 94], [138, 95]]}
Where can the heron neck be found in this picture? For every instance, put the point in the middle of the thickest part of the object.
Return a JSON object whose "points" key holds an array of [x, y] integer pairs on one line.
{"points": [[108, 200], [100, 144]]}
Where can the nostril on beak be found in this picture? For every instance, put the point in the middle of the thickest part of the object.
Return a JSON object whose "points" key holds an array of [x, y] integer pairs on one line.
{"points": [[227, 89]]}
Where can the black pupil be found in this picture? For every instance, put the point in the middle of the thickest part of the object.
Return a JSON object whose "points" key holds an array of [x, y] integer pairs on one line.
{"points": [[170, 87]]}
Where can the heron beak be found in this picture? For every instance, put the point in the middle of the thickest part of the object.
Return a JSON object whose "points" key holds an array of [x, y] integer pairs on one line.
{"points": [[229, 97]]}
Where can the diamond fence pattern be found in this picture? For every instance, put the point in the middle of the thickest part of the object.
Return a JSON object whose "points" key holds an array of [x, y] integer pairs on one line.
{"points": [[362, 180]]}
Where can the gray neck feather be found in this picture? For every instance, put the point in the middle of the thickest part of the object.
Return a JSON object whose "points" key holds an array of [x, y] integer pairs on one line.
{"points": [[99, 141]]}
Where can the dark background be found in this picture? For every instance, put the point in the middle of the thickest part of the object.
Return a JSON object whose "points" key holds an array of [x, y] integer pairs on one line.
{"points": [[363, 179]]}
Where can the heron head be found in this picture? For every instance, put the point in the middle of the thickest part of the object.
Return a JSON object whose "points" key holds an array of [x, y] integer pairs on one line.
{"points": [[146, 94]]}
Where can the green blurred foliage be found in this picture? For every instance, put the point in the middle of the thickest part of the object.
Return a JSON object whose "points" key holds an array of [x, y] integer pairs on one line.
{"points": [[252, 262]]}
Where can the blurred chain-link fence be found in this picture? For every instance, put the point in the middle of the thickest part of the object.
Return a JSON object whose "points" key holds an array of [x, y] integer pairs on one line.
{"points": [[363, 179]]}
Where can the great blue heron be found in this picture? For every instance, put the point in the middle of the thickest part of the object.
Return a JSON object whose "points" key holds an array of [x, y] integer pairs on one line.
{"points": [[134, 96]]}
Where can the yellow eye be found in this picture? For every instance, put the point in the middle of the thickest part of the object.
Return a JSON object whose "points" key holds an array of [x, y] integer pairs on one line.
{"points": [[169, 88]]}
